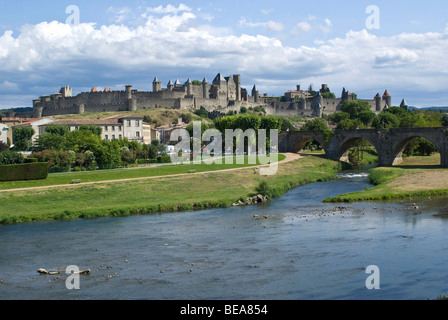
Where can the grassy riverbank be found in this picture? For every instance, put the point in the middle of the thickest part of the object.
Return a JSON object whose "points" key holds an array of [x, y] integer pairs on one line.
{"points": [[415, 177], [161, 194], [66, 178]]}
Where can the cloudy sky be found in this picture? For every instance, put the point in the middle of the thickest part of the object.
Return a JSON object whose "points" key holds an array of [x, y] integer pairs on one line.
{"points": [[395, 45]]}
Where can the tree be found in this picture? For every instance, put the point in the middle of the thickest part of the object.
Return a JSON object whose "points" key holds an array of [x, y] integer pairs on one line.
{"points": [[81, 140], [89, 158], [22, 138], [354, 108], [57, 129], [445, 120], [243, 110], [107, 155], [96, 130], [338, 117], [186, 117], [50, 141], [386, 120], [127, 156], [328, 95], [147, 119], [319, 124], [366, 117], [347, 124]]}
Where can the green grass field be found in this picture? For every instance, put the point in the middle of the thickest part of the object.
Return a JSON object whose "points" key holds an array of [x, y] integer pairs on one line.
{"points": [[167, 194], [414, 177], [118, 174]]}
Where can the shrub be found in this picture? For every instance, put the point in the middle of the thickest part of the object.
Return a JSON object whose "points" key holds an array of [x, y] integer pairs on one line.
{"points": [[164, 159], [265, 190], [27, 171], [59, 161], [3, 146], [10, 157], [30, 160]]}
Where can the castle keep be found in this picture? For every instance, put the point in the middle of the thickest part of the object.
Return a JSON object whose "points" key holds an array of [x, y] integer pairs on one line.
{"points": [[223, 94]]}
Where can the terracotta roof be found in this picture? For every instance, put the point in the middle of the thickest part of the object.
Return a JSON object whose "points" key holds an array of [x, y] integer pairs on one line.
{"points": [[94, 89], [98, 122], [18, 119], [386, 94]]}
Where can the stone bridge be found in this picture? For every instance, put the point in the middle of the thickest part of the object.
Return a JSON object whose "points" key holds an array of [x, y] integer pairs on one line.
{"points": [[389, 144]]}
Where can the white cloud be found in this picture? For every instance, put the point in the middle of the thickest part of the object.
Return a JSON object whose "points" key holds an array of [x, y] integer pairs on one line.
{"points": [[176, 40], [8, 86], [269, 25], [169, 9], [303, 27], [119, 15]]}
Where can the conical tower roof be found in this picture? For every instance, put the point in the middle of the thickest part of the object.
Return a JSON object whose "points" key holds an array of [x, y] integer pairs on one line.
{"points": [[403, 103], [386, 94]]}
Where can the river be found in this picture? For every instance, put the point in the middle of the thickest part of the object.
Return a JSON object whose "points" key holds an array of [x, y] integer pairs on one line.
{"points": [[294, 248]]}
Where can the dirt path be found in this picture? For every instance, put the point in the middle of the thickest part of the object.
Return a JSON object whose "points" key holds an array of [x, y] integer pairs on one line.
{"points": [[289, 157]]}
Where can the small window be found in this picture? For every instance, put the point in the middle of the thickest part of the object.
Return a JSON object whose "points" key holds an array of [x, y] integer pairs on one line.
{"points": [[113, 137], [137, 134], [137, 123], [113, 128], [129, 123], [120, 137], [105, 128], [106, 137]]}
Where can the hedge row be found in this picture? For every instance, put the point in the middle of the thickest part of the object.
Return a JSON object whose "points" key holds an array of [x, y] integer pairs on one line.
{"points": [[160, 159], [27, 171]]}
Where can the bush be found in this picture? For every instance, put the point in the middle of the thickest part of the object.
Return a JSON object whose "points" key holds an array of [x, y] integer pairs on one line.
{"points": [[10, 157], [164, 159], [30, 160], [3, 146], [59, 161], [265, 190], [27, 171]]}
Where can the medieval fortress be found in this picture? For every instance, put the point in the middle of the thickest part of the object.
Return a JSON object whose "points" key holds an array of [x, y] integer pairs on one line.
{"points": [[222, 95]]}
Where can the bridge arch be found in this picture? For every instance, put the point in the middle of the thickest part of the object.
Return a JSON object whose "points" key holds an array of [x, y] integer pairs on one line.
{"points": [[401, 143], [344, 140], [300, 144], [349, 144]]}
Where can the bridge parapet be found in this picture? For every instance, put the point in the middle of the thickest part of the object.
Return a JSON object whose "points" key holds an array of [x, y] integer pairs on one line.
{"points": [[389, 143]]}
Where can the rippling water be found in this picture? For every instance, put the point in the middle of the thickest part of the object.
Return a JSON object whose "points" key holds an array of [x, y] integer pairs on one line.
{"points": [[293, 248]]}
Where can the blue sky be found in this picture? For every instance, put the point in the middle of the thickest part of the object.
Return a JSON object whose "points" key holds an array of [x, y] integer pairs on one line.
{"points": [[274, 44]]}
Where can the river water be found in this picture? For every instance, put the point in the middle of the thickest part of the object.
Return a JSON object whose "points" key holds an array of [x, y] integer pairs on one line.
{"points": [[294, 248]]}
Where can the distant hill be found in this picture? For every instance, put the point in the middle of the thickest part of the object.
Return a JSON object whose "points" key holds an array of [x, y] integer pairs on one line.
{"points": [[440, 109]]}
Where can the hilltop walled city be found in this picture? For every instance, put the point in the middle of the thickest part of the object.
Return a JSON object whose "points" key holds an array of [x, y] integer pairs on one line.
{"points": [[223, 94], [218, 98]]}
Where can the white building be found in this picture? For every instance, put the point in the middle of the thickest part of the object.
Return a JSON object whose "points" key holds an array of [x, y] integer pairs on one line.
{"points": [[4, 129], [113, 128]]}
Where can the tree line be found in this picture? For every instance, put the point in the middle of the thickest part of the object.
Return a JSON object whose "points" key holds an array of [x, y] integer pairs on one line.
{"points": [[82, 149]]}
